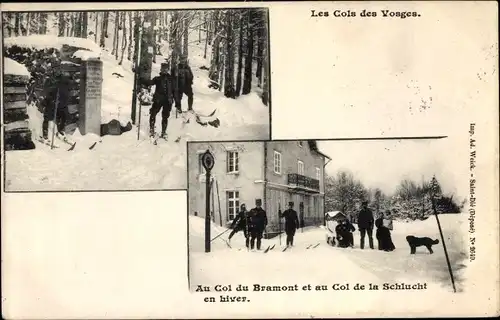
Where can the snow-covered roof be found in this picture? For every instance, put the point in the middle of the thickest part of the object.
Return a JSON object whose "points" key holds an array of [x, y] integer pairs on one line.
{"points": [[85, 54], [50, 41], [15, 68], [334, 215]]}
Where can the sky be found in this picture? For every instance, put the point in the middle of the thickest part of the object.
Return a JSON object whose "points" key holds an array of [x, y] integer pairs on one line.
{"points": [[384, 163]]}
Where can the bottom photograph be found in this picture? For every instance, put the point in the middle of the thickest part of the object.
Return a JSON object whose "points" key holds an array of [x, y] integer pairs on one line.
{"points": [[269, 214]]}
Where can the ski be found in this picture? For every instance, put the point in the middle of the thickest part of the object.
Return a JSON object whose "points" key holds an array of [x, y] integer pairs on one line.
{"points": [[205, 116], [284, 249], [92, 146], [315, 246], [309, 246], [267, 250], [47, 142], [272, 247], [227, 243], [72, 147]]}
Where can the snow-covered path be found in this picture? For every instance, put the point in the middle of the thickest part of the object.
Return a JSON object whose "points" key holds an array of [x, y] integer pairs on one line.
{"points": [[326, 264]]}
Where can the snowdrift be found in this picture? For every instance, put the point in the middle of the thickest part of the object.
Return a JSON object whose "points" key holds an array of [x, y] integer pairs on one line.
{"points": [[14, 68], [41, 42], [197, 235]]}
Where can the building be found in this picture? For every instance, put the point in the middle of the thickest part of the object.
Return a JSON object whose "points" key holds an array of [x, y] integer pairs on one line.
{"points": [[275, 171]]}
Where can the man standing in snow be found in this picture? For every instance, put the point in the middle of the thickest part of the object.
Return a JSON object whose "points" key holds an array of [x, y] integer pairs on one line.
{"points": [[56, 101], [291, 223], [365, 224], [258, 224], [240, 224], [162, 98], [183, 77]]}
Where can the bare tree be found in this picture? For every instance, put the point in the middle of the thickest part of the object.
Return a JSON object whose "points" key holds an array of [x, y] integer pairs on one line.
{"points": [[240, 55], [129, 53], [247, 79], [124, 36], [17, 24], [185, 34], [265, 60], [115, 36], [85, 19], [96, 16], [229, 55]]}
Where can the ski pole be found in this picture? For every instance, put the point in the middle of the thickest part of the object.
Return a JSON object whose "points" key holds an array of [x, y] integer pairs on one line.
{"points": [[54, 122], [279, 221], [220, 234]]}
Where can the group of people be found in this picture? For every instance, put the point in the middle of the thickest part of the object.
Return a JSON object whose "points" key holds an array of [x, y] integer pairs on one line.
{"points": [[366, 223], [170, 86], [169, 89], [254, 222]]}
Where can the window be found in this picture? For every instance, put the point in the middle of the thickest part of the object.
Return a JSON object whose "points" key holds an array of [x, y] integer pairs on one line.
{"points": [[233, 204], [201, 169], [277, 162], [318, 174], [300, 167], [232, 162]]}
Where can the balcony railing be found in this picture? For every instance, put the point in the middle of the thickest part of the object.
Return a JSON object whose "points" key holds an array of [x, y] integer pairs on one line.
{"points": [[298, 181]]}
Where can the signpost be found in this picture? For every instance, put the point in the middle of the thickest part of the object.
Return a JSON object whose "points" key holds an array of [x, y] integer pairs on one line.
{"points": [[207, 160]]}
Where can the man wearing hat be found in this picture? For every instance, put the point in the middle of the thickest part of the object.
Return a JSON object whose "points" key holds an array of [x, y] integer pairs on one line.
{"points": [[258, 223], [162, 99], [291, 223], [183, 77], [240, 224], [365, 224]]}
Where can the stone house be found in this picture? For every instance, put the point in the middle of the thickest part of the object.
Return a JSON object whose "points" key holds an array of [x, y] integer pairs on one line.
{"points": [[275, 171]]}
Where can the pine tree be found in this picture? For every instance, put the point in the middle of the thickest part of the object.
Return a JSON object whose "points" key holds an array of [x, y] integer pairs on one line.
{"points": [[247, 80]]}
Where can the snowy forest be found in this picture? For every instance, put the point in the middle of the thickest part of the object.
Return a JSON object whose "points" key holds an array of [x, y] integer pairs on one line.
{"points": [[412, 200], [235, 40]]}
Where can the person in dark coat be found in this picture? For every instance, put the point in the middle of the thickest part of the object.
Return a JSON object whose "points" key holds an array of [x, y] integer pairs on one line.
{"points": [[291, 223], [162, 99], [365, 224], [383, 234], [258, 223], [344, 232], [56, 102], [240, 224], [183, 77]]}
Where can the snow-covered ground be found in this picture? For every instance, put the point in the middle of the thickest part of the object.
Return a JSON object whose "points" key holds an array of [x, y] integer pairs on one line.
{"points": [[124, 162], [326, 264]]}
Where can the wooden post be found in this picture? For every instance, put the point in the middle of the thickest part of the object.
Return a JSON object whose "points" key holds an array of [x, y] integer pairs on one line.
{"points": [[207, 161], [90, 97], [444, 244]]}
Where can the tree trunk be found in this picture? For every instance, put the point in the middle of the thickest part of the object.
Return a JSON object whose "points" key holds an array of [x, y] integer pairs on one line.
{"points": [[17, 24], [147, 44], [206, 35], [84, 24], [96, 26], [240, 57], [159, 33], [102, 42], [260, 44], [229, 68], [72, 24], [154, 43], [61, 24], [28, 23], [213, 73], [137, 26], [185, 35], [247, 80], [176, 38], [124, 36], [106, 23], [129, 52], [115, 35]]}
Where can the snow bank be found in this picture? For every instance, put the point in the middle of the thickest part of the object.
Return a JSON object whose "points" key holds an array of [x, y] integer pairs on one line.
{"points": [[85, 55], [14, 68], [41, 42], [197, 235]]}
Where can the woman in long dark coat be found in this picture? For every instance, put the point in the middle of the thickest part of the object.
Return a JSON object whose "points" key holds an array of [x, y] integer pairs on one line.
{"points": [[384, 227]]}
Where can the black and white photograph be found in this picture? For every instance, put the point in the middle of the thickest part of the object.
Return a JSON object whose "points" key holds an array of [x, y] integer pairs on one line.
{"points": [[106, 100], [389, 212]]}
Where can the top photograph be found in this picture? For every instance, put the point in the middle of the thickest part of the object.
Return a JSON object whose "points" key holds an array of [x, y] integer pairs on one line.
{"points": [[106, 100]]}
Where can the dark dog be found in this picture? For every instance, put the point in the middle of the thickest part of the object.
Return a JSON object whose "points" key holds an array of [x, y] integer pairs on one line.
{"points": [[415, 242]]}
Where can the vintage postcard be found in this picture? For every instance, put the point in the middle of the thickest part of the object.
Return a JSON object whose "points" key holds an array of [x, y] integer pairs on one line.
{"points": [[106, 100], [368, 188]]}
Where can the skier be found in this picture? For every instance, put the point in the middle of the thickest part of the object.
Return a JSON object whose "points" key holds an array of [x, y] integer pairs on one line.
{"points": [[240, 224], [57, 93], [344, 232], [258, 222], [162, 98], [183, 77], [365, 224], [291, 223]]}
